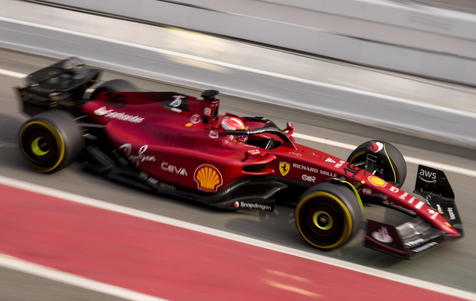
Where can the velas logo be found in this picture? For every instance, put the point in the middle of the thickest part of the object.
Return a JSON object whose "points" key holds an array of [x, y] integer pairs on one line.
{"points": [[284, 168], [376, 146], [110, 113], [374, 180], [382, 235], [207, 177]]}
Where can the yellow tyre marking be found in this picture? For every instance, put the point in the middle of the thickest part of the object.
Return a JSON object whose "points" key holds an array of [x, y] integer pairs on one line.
{"points": [[356, 156], [391, 165], [58, 138], [357, 195], [35, 148], [348, 225]]}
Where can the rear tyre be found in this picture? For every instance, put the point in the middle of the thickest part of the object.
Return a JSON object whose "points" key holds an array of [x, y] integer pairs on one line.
{"points": [[382, 159], [50, 140], [115, 85], [328, 216]]}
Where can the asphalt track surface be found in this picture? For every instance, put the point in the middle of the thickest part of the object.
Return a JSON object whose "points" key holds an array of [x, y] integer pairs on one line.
{"points": [[452, 264]]}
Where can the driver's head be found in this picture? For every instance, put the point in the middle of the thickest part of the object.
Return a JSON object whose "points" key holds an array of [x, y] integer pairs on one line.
{"points": [[232, 123]]}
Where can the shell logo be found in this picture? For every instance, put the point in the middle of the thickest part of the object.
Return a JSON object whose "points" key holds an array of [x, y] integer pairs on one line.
{"points": [[207, 177], [377, 181]]}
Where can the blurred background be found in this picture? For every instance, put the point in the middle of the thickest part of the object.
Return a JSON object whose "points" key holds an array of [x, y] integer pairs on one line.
{"points": [[342, 71]]}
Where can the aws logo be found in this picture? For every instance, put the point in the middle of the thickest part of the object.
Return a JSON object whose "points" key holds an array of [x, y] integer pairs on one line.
{"points": [[427, 176]]}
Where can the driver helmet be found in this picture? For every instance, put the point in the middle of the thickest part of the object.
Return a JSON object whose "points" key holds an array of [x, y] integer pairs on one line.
{"points": [[232, 123]]}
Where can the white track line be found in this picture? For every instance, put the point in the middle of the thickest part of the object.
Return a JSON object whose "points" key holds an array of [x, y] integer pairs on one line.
{"points": [[12, 73], [235, 237], [413, 160], [13, 263]]}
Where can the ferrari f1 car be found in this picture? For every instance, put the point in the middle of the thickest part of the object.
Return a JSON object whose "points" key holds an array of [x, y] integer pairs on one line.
{"points": [[179, 145]]}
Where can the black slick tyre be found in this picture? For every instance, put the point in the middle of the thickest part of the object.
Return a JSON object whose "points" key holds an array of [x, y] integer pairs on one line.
{"points": [[115, 85], [328, 215], [382, 159], [50, 140]]}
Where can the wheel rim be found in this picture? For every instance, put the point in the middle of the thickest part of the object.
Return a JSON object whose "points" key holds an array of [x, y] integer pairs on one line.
{"points": [[42, 145], [323, 220]]}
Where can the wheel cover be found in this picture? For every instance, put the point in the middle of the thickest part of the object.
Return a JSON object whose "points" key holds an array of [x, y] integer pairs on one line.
{"points": [[330, 233], [322, 220], [39, 147], [42, 145]]}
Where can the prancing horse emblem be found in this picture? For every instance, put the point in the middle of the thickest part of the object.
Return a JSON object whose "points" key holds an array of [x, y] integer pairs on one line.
{"points": [[284, 168]]}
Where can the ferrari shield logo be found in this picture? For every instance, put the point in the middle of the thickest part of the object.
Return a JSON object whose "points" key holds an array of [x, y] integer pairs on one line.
{"points": [[284, 168]]}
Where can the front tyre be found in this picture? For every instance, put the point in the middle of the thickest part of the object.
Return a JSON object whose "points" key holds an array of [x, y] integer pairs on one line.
{"points": [[381, 159], [50, 140], [328, 215]]}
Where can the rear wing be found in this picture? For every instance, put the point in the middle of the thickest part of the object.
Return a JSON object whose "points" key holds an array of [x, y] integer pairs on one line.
{"points": [[60, 85], [416, 236]]}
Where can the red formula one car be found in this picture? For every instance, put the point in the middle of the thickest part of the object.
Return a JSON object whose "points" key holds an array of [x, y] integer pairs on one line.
{"points": [[179, 145]]}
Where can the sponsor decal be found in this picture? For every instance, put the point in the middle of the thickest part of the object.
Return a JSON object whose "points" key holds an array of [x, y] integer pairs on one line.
{"points": [[376, 146], [433, 213], [148, 178], [166, 166], [382, 235], [177, 102], [195, 118], [236, 204], [207, 177], [306, 168], [213, 134], [207, 111], [255, 205], [451, 213], [254, 152], [339, 165], [330, 160], [307, 178], [427, 176], [376, 181], [110, 113], [295, 154], [284, 168], [425, 247], [141, 155], [328, 173], [394, 189]]}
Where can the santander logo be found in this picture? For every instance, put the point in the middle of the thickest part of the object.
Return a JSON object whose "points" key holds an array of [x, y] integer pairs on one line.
{"points": [[110, 113]]}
